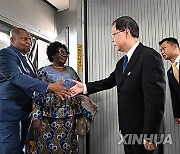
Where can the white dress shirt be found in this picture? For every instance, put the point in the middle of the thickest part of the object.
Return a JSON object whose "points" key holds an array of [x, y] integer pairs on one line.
{"points": [[177, 61], [131, 51]]}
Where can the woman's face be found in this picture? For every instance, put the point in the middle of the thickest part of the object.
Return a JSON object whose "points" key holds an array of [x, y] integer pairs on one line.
{"points": [[61, 56]]}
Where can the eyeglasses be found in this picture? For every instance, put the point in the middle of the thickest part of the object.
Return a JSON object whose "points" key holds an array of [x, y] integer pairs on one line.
{"points": [[113, 34], [63, 52]]}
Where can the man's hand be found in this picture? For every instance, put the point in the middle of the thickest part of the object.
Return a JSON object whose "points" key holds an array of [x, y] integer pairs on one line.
{"points": [[77, 88], [37, 125], [59, 90], [149, 146], [177, 120]]}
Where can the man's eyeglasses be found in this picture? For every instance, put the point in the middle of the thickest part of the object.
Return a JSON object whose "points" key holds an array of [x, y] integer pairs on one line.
{"points": [[113, 34], [63, 52]]}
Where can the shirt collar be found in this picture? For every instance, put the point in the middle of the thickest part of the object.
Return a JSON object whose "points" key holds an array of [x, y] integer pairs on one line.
{"points": [[22, 54], [131, 51], [178, 59], [18, 51]]}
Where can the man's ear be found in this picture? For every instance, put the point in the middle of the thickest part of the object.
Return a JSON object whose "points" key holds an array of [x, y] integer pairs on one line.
{"points": [[175, 46], [127, 31], [12, 40]]}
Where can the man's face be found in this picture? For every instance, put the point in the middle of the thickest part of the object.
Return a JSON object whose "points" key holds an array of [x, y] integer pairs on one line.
{"points": [[167, 50], [118, 38], [22, 42]]}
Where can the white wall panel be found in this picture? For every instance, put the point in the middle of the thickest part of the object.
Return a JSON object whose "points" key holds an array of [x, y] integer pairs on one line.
{"points": [[157, 19], [42, 56], [34, 15]]}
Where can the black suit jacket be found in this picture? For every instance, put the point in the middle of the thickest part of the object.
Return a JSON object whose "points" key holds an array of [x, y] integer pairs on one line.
{"points": [[141, 91], [175, 93]]}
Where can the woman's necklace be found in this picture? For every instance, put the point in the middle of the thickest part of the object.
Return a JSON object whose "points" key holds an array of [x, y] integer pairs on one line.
{"points": [[59, 67]]}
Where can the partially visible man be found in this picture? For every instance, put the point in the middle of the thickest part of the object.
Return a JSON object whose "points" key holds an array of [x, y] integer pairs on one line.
{"points": [[140, 80], [17, 83], [170, 51]]}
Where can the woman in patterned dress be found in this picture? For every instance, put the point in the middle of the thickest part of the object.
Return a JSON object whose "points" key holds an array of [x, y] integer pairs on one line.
{"points": [[53, 117]]}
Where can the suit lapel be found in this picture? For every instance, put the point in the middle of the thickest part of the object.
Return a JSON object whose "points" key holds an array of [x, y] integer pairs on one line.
{"points": [[119, 71], [171, 76], [25, 63], [130, 64]]}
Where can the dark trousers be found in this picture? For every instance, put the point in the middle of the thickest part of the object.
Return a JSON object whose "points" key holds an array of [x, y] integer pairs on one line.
{"points": [[13, 136]]}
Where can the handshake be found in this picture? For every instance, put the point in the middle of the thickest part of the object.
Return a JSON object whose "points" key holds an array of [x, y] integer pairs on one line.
{"points": [[62, 92]]}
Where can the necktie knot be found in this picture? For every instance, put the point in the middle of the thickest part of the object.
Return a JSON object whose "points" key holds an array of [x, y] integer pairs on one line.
{"points": [[125, 62], [175, 71], [174, 64]]}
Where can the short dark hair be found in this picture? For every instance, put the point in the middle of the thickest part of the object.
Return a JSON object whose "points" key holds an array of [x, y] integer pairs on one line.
{"points": [[170, 40], [52, 49], [126, 22]]}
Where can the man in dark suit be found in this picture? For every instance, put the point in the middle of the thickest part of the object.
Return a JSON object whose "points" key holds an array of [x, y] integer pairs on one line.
{"points": [[170, 51], [140, 80], [17, 83]]}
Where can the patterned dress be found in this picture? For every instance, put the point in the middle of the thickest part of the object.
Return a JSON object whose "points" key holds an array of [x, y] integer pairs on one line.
{"points": [[57, 116]]}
